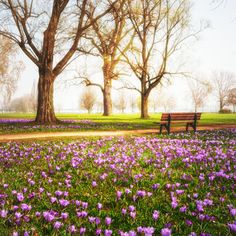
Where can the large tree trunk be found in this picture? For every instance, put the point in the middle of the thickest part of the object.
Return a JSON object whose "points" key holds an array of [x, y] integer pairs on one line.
{"points": [[45, 109], [107, 101], [144, 106]]}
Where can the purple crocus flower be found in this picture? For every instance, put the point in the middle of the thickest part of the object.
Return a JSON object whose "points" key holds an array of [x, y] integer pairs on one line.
{"points": [[82, 230], [64, 202], [72, 229], [98, 231], [118, 195], [64, 215], [183, 209], [131, 208], [58, 193], [127, 191], [99, 206], [140, 229], [188, 222], [192, 234], [37, 214], [57, 225], [124, 211], [5, 185], [85, 205], [20, 197], [233, 212], [155, 186], [18, 215], [97, 221], [92, 219], [141, 193], [123, 233], [132, 233], [82, 214], [48, 216], [15, 208], [155, 215], [53, 199], [108, 220], [132, 214], [174, 204], [232, 227], [25, 207], [41, 190], [148, 231], [3, 213], [26, 233], [108, 232], [166, 232]]}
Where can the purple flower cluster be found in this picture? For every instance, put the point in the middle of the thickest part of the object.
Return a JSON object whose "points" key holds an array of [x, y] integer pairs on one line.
{"points": [[120, 186]]}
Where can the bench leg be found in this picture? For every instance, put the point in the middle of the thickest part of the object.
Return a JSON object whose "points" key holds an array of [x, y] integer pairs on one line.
{"points": [[168, 129], [194, 128], [187, 126], [161, 129]]}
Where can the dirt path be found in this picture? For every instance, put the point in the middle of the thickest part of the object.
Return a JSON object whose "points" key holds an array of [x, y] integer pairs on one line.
{"points": [[51, 135]]}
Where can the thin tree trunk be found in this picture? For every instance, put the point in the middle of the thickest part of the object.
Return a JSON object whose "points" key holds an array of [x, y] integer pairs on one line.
{"points": [[45, 110], [107, 101], [221, 105], [144, 106]]}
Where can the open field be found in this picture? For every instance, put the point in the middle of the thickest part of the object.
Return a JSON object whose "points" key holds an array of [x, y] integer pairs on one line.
{"points": [[17, 123], [144, 185]]}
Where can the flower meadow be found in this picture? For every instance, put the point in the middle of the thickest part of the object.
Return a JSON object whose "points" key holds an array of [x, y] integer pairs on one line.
{"points": [[27, 125], [182, 184]]}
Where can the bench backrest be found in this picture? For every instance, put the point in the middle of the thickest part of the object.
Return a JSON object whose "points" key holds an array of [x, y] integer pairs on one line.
{"points": [[181, 116]]}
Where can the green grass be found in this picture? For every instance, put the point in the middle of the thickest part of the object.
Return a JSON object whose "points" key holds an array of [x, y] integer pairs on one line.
{"points": [[207, 118], [99, 122]]}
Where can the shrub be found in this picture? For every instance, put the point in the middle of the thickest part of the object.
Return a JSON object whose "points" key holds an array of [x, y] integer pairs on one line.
{"points": [[225, 111]]}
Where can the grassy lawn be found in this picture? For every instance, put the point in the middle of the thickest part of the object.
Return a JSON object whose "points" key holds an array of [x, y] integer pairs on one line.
{"points": [[174, 185], [82, 122]]}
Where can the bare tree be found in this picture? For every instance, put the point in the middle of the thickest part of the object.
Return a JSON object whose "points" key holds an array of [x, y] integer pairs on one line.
{"points": [[232, 98], [88, 100], [22, 104], [153, 103], [33, 97], [133, 103], [106, 35], [166, 101], [199, 90], [218, 2], [121, 103], [223, 82], [40, 28], [161, 28], [10, 70]]}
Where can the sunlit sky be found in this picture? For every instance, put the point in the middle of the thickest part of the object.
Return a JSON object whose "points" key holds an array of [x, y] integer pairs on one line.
{"points": [[215, 50]]}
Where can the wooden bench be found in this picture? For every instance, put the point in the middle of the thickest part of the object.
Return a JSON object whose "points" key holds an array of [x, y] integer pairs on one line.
{"points": [[190, 118]]}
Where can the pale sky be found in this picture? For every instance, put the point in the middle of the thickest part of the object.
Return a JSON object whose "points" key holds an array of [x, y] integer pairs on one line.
{"points": [[214, 50]]}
